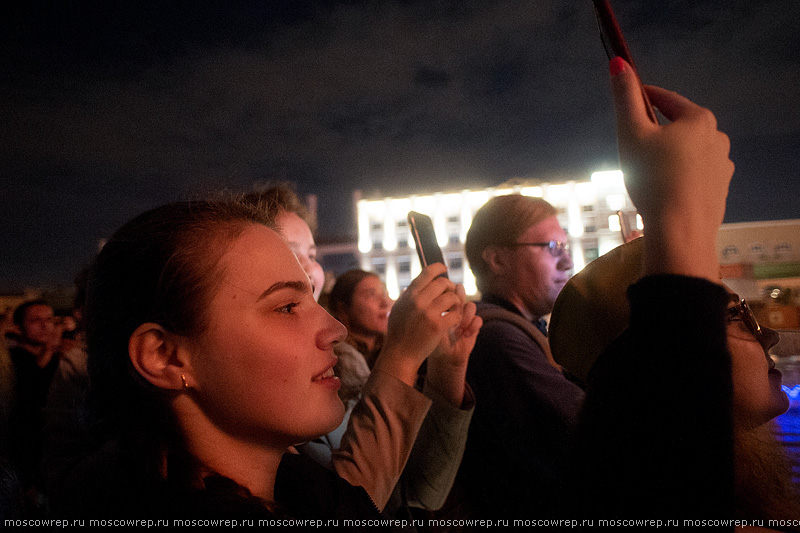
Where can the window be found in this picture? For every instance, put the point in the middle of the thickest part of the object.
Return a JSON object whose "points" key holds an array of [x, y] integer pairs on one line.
{"points": [[590, 254], [590, 229], [379, 265], [453, 219], [402, 243], [783, 248], [757, 248], [404, 264], [587, 208], [377, 226], [377, 245], [730, 251], [454, 239], [455, 262]]}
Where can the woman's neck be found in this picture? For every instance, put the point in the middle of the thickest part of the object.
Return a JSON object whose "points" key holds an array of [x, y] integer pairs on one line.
{"points": [[251, 464]]}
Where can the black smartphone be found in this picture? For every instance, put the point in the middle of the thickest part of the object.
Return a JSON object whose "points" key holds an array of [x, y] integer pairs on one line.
{"points": [[615, 45], [425, 239]]}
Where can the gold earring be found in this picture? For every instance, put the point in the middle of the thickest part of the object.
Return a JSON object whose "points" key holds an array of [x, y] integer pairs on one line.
{"points": [[185, 385]]}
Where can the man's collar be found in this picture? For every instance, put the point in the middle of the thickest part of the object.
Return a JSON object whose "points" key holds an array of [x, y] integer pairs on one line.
{"points": [[540, 323]]}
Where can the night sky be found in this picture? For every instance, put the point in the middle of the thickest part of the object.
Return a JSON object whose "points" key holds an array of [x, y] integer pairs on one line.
{"points": [[108, 110]]}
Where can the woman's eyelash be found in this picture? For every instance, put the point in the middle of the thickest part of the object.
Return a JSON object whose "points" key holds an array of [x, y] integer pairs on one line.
{"points": [[288, 308]]}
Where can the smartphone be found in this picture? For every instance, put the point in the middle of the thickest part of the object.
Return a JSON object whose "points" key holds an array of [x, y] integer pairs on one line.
{"points": [[615, 45], [425, 238]]}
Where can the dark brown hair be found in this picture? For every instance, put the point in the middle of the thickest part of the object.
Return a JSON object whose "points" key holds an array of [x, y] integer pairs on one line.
{"points": [[160, 267], [341, 296]]}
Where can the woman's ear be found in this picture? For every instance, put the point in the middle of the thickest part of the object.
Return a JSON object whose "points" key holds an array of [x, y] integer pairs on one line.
{"points": [[159, 356]]}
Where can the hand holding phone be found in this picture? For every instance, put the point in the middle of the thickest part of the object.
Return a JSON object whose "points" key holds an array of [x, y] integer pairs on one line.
{"points": [[425, 238], [615, 45]]}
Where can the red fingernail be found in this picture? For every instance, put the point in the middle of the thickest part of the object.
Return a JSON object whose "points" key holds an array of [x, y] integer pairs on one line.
{"points": [[616, 66]]}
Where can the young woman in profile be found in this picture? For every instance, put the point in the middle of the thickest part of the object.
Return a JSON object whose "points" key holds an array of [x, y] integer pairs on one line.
{"points": [[209, 358]]}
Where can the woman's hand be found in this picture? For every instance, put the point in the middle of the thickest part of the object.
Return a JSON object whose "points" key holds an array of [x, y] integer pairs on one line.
{"points": [[447, 365], [677, 175], [420, 319]]}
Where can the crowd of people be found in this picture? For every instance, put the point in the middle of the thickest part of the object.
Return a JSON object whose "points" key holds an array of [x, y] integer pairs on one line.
{"points": [[202, 378]]}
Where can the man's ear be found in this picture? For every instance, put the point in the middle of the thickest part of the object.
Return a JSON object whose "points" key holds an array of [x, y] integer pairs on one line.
{"points": [[495, 259], [159, 356]]}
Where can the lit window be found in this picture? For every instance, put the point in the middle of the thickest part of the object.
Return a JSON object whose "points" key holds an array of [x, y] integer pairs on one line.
{"points": [[613, 223]]}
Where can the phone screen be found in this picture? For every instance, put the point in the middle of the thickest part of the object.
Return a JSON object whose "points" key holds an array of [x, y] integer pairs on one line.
{"points": [[425, 238], [615, 45]]}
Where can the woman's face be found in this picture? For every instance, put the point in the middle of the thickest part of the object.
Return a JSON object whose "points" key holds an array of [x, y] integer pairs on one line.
{"points": [[368, 313], [263, 369], [300, 239], [757, 393]]}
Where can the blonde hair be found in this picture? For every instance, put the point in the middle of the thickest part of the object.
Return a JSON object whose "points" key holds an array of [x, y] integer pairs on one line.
{"points": [[763, 486]]}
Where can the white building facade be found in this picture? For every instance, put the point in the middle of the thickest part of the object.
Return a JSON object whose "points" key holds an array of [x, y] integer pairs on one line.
{"points": [[587, 210]]}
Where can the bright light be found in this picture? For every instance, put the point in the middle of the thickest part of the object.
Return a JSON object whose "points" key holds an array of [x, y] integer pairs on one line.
{"points": [[469, 282], [613, 223], [639, 222], [615, 202], [392, 287], [531, 191], [610, 179], [364, 241]]}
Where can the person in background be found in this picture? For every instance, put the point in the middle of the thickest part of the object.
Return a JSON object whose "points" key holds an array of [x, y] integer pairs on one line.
{"points": [[360, 301], [517, 453], [439, 444], [34, 358]]}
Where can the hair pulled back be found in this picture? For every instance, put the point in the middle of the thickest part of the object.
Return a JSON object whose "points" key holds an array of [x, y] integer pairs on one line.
{"points": [[161, 267]]}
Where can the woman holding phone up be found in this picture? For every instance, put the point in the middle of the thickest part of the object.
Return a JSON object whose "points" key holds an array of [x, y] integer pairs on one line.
{"points": [[672, 402]]}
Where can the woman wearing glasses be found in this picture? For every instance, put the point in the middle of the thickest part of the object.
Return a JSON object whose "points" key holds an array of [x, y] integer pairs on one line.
{"points": [[675, 420]]}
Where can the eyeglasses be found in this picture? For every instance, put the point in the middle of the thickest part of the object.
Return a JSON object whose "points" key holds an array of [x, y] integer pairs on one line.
{"points": [[556, 248], [742, 311]]}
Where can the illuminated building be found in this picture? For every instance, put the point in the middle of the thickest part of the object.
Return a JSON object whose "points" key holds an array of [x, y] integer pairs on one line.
{"points": [[587, 211]]}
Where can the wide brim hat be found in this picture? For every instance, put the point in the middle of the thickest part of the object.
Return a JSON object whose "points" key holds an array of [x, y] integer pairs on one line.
{"points": [[592, 310]]}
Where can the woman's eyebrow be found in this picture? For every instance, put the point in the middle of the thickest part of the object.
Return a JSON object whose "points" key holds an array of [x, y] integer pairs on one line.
{"points": [[299, 286]]}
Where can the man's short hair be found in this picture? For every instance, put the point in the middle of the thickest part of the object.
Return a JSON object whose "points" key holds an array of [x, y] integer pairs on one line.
{"points": [[502, 220], [22, 310], [277, 197]]}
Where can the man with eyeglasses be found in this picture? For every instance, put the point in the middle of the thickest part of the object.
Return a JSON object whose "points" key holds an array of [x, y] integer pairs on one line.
{"points": [[517, 452]]}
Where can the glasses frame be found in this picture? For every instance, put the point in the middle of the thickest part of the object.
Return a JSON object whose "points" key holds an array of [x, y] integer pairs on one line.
{"points": [[556, 248], [748, 318]]}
